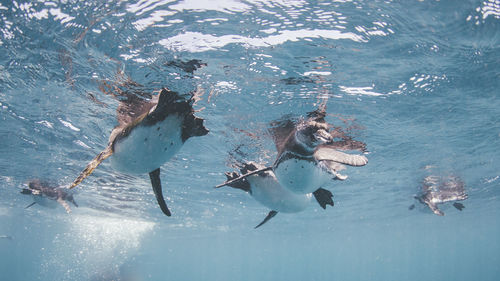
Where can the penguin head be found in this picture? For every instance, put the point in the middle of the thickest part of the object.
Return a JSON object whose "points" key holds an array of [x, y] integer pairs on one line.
{"points": [[311, 134], [193, 127], [35, 184]]}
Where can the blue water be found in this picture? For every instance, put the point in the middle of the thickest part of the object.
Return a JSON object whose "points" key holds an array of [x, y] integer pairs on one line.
{"points": [[417, 81]]}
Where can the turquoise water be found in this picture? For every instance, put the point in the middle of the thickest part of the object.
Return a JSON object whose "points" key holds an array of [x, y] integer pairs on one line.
{"points": [[417, 81]]}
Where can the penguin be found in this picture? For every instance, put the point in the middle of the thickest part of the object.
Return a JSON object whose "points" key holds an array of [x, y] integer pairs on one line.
{"points": [[309, 153], [149, 133], [45, 194], [265, 188], [437, 190]]}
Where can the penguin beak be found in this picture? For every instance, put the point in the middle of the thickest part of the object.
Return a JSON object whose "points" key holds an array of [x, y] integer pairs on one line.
{"points": [[26, 191], [438, 212], [323, 136]]}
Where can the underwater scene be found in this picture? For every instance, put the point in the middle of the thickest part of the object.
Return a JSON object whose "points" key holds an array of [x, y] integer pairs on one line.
{"points": [[250, 140]]}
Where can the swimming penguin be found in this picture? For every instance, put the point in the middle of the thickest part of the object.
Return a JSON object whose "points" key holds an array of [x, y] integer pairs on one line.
{"points": [[265, 188], [308, 153], [149, 133], [437, 190], [46, 194]]}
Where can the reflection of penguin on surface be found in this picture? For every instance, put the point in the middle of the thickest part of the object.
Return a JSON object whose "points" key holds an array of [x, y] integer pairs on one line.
{"points": [[436, 190], [308, 153], [265, 188], [42, 191], [149, 133]]}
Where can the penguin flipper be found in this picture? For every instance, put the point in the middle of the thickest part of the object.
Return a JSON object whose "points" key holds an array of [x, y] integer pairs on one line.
{"points": [[243, 176], [324, 197], [435, 209], [156, 183], [459, 206], [92, 165], [241, 184], [30, 205], [268, 217], [333, 168], [280, 131], [64, 204], [325, 152]]}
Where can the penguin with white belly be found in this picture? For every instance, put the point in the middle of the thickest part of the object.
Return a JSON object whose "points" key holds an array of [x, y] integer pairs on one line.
{"points": [[308, 157], [308, 154], [149, 133], [265, 188]]}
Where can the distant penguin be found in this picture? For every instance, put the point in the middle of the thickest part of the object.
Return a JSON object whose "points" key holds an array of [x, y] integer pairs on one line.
{"points": [[46, 195], [437, 190], [308, 154], [149, 133], [265, 188]]}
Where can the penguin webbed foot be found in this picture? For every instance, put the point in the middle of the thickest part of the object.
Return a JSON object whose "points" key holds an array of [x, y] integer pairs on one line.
{"points": [[411, 207], [324, 197], [459, 206], [268, 217], [65, 205]]}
